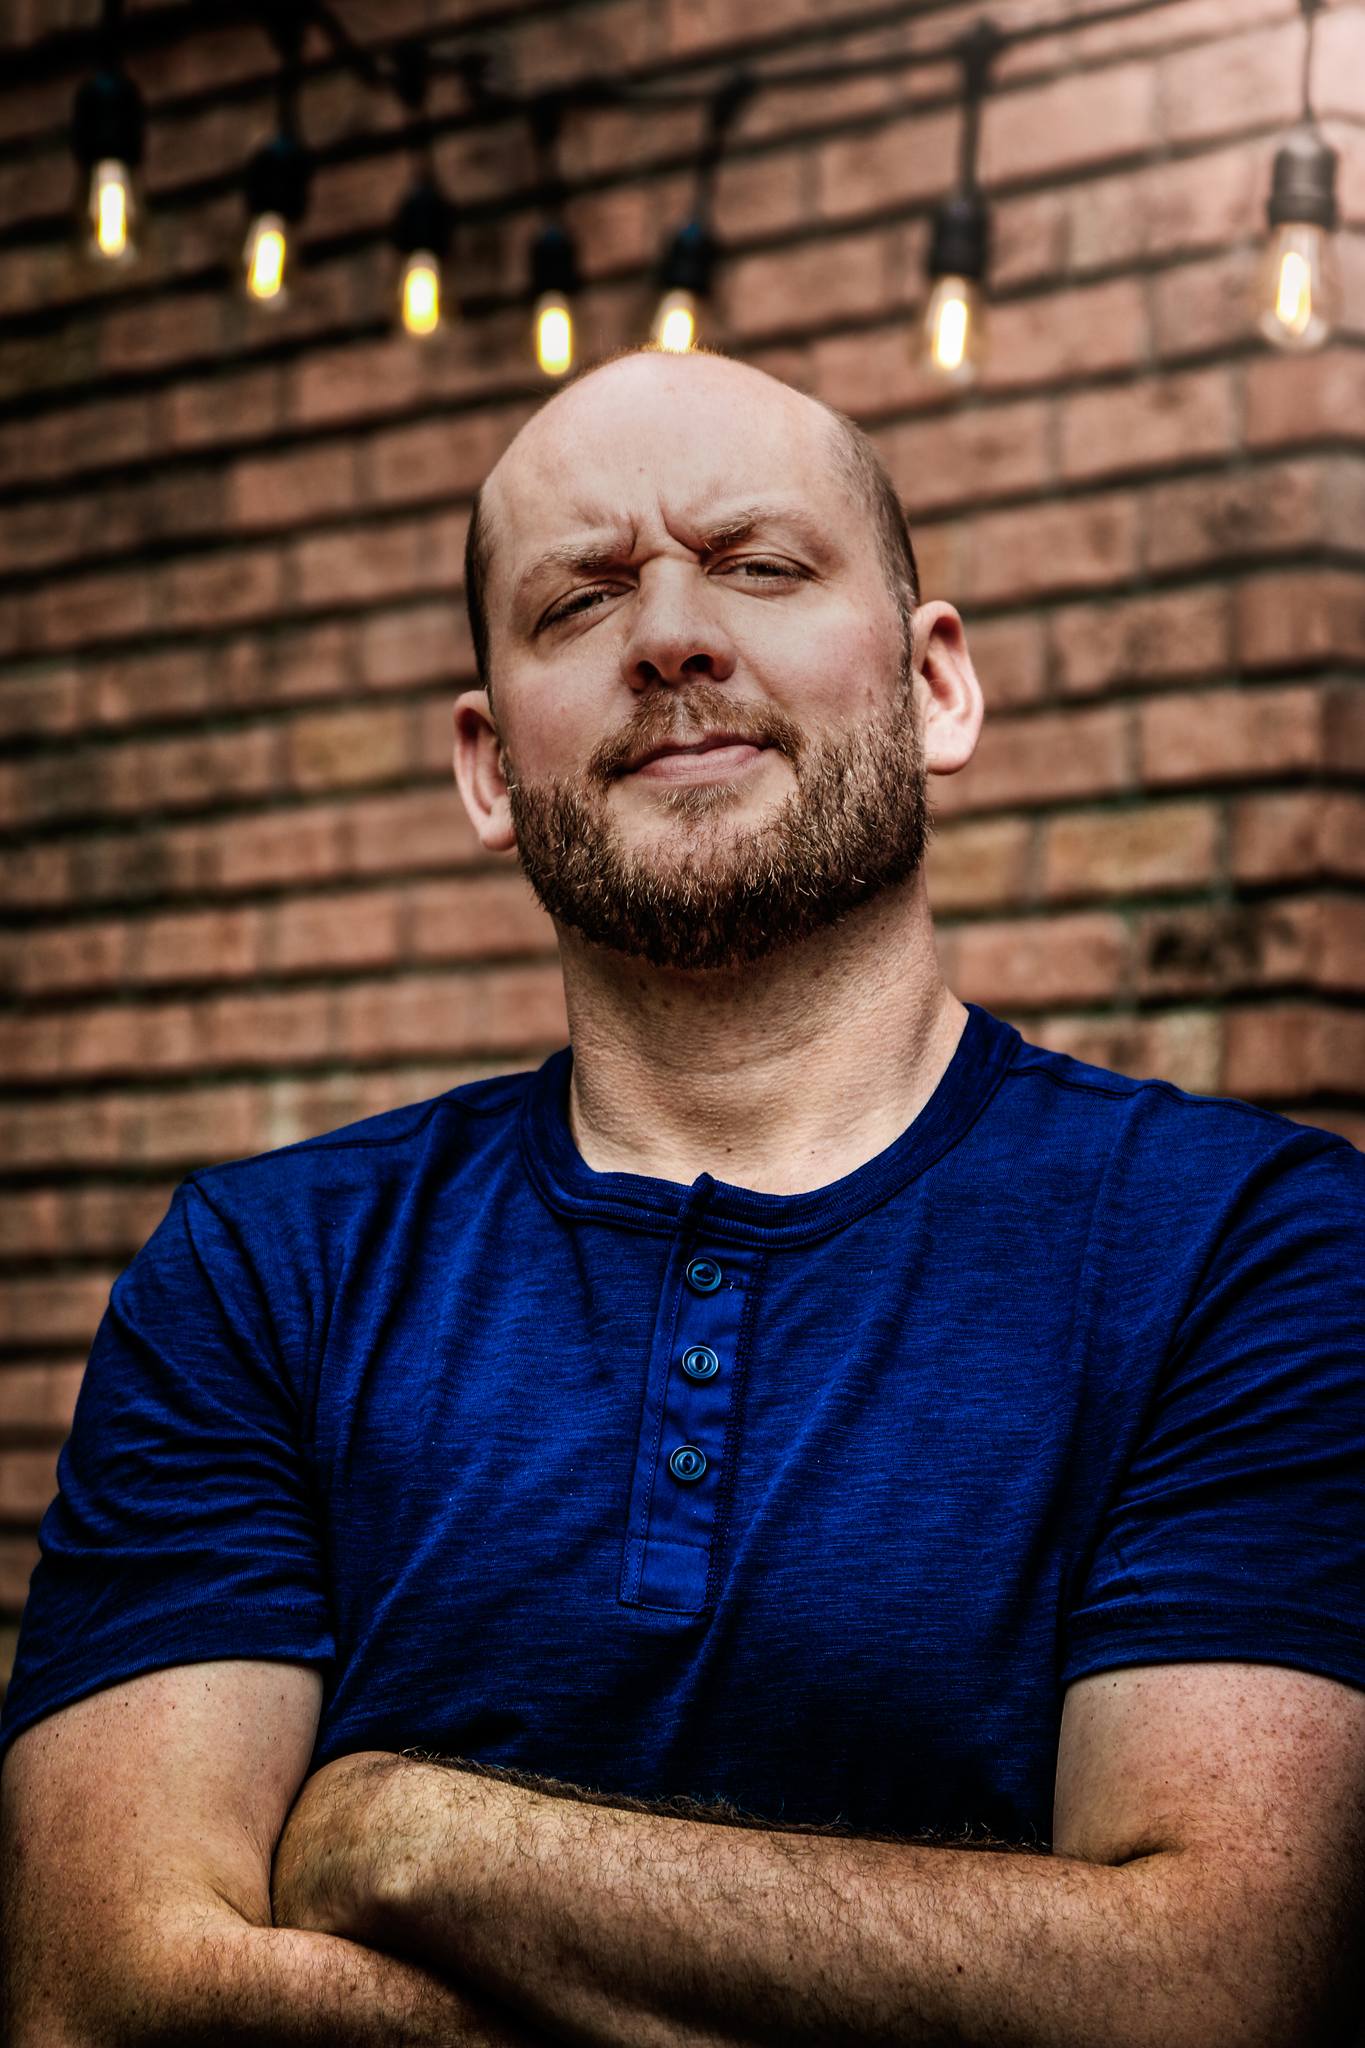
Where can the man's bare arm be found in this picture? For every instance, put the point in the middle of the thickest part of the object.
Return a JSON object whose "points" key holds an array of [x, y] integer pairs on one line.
{"points": [[136, 1832], [1203, 1892]]}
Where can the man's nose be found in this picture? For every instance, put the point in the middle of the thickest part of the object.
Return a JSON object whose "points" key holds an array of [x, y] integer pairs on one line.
{"points": [[676, 629]]}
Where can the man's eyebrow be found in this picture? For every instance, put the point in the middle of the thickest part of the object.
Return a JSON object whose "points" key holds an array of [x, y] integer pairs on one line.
{"points": [[582, 558]]}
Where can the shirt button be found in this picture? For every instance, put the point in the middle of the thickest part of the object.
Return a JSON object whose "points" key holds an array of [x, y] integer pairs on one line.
{"points": [[687, 1462], [703, 1276], [700, 1362]]}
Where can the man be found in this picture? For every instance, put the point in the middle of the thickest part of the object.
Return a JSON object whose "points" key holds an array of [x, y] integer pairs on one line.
{"points": [[856, 1519]]}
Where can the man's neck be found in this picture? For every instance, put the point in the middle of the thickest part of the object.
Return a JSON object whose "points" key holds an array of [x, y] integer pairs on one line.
{"points": [[780, 1076]]}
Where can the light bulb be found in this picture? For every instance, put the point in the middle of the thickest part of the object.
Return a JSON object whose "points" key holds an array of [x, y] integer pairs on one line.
{"points": [[675, 322], [953, 330], [1296, 299], [554, 334], [112, 211], [421, 293], [265, 258]]}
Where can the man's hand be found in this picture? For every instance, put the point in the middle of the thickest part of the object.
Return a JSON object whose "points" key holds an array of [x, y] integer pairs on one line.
{"points": [[330, 1861]]}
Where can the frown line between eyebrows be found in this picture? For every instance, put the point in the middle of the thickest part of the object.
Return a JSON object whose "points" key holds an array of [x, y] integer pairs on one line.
{"points": [[588, 558]]}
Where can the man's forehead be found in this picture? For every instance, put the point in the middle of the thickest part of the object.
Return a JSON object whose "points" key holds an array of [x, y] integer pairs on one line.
{"points": [[689, 448]]}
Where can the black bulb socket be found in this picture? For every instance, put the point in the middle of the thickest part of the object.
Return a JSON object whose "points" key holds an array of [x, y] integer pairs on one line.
{"points": [[554, 262], [689, 261], [106, 121], [277, 180], [423, 222], [960, 242], [1303, 183]]}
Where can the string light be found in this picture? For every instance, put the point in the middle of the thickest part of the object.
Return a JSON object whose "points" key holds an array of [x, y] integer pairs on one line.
{"points": [[106, 137], [1297, 289], [421, 234], [952, 339], [554, 280]]}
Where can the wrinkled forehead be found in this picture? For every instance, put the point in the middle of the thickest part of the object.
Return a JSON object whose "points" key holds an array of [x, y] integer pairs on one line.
{"points": [[636, 444]]}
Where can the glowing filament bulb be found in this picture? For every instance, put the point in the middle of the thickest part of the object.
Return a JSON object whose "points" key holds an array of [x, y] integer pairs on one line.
{"points": [[554, 334], [421, 293], [110, 209], [952, 329], [1297, 293], [265, 256], [675, 323]]}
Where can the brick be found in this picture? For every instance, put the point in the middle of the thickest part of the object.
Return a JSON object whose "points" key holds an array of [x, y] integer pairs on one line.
{"points": [[1007, 557], [1293, 399], [197, 1126], [267, 1029], [1232, 84], [1088, 118], [357, 930], [1037, 759], [337, 386], [1338, 63], [369, 564], [424, 643], [351, 748], [89, 956], [31, 1225], [147, 688], [220, 588], [364, 193], [86, 610], [1028, 238], [756, 195], [1149, 425], [421, 828], [1344, 728], [624, 35], [615, 229], [35, 877], [1296, 617], [289, 490], [503, 1009], [119, 1039], [1081, 957], [1148, 639], [199, 945], [281, 849], [1202, 521], [87, 437], [1297, 835], [1181, 1046], [978, 864], [52, 1310], [812, 284], [995, 451], [1057, 336], [1200, 307], [1126, 851], [151, 334], [235, 407], [897, 163], [184, 773], [1231, 735], [112, 1219], [1222, 949], [1010, 657], [292, 663], [18, 1557], [1283, 1050], [443, 457], [28, 1481], [478, 917], [45, 698], [38, 1398], [81, 1133]]}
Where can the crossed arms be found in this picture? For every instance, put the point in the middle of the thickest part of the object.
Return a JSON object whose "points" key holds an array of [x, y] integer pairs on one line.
{"points": [[1204, 1890]]}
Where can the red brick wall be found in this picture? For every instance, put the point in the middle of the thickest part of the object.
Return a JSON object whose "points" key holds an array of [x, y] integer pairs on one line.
{"points": [[243, 901]]}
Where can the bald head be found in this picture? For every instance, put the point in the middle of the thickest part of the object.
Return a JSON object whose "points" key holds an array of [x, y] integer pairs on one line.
{"points": [[645, 376]]}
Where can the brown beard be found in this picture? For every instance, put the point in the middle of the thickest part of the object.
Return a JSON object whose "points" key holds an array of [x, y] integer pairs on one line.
{"points": [[858, 822]]}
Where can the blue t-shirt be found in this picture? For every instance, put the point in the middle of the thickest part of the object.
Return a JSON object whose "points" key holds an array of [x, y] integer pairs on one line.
{"points": [[814, 1503]]}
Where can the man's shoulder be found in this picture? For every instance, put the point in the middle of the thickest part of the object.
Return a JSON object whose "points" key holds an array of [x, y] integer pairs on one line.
{"points": [[376, 1151], [1152, 1122]]}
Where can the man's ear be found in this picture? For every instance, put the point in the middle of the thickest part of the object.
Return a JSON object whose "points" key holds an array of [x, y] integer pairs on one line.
{"points": [[478, 772], [954, 707]]}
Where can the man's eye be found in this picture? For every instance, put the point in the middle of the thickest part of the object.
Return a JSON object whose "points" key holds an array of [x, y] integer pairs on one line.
{"points": [[581, 598]]}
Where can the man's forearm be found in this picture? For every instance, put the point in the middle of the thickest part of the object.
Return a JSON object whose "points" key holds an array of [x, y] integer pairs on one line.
{"points": [[213, 1978], [636, 1931]]}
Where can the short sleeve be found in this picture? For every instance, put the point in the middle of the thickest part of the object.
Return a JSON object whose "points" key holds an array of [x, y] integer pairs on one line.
{"points": [[1238, 1529], [184, 1526]]}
